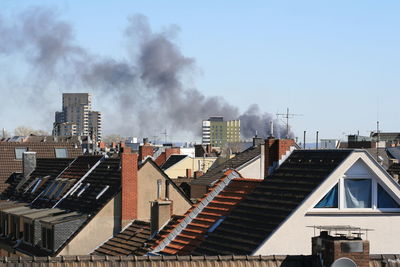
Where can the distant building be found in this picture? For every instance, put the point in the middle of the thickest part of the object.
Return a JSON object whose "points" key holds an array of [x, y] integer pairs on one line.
{"points": [[217, 132], [77, 117]]}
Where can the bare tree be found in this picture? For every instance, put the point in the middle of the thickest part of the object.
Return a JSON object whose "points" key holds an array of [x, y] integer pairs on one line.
{"points": [[108, 139], [25, 131]]}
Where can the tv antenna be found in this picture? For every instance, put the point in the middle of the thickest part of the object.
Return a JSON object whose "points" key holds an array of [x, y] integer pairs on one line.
{"points": [[165, 135], [287, 116]]}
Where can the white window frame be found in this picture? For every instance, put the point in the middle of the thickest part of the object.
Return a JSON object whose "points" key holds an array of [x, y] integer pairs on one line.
{"points": [[341, 198]]}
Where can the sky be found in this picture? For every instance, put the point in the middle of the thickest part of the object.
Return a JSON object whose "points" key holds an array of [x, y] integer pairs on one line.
{"points": [[333, 63]]}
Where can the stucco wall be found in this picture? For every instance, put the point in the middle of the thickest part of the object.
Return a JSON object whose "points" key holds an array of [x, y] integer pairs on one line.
{"points": [[294, 236], [96, 232], [195, 164], [147, 182], [252, 170]]}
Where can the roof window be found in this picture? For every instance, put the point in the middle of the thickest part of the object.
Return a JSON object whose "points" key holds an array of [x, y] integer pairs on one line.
{"points": [[61, 152], [36, 185], [83, 190], [19, 151], [102, 191]]}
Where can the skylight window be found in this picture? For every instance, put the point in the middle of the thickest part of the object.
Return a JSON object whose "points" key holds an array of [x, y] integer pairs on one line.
{"points": [[83, 190], [61, 153], [36, 185], [31, 184], [102, 191], [60, 189], [19, 151]]}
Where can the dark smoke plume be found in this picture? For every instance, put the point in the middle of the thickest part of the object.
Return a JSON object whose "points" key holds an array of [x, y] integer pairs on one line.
{"points": [[140, 95]]}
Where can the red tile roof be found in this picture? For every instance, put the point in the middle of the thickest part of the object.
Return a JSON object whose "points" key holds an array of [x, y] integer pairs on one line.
{"points": [[196, 231]]}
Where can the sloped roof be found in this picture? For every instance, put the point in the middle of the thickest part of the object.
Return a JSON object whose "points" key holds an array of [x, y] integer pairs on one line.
{"points": [[170, 261], [44, 167], [394, 152], [271, 202], [128, 241], [9, 164], [394, 169], [106, 176], [215, 173], [197, 230], [172, 160]]}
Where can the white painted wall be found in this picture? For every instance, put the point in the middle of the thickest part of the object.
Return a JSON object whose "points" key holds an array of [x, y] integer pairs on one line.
{"points": [[294, 236], [252, 170]]}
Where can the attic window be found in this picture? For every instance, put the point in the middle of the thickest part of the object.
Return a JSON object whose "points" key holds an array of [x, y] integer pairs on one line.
{"points": [[19, 151], [330, 200], [102, 191], [361, 194]]}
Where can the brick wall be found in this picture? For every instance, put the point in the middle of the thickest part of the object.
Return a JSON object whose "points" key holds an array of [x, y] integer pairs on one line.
{"points": [[145, 151], [129, 179], [172, 151]]}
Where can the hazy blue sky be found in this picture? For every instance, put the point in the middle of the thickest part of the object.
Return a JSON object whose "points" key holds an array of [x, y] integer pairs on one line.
{"points": [[335, 62]]}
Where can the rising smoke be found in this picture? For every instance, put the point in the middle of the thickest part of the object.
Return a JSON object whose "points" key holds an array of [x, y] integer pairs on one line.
{"points": [[143, 93]]}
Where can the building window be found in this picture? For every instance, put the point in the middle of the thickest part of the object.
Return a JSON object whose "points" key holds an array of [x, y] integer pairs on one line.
{"points": [[19, 151], [61, 153], [47, 238], [28, 232], [358, 193], [330, 200]]}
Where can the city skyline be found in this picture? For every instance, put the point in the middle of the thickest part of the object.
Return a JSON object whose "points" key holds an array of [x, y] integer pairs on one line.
{"points": [[330, 62]]}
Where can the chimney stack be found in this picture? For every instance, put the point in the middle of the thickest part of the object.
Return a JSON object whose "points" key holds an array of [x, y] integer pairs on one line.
{"points": [[160, 214], [129, 184], [28, 163], [188, 173], [274, 150], [341, 249], [146, 150]]}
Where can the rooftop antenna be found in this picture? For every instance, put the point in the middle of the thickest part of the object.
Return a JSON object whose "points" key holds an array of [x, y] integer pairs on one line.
{"points": [[165, 135], [287, 116]]}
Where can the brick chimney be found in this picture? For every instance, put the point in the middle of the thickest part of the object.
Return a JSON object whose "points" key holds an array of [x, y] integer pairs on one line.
{"points": [[275, 149], [188, 173], [129, 184], [145, 150], [341, 249], [172, 151]]}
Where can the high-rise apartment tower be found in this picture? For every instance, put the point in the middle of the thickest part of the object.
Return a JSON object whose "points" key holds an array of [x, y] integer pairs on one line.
{"points": [[77, 117]]}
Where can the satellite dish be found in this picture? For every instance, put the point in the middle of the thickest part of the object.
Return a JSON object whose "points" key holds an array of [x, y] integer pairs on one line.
{"points": [[344, 262]]}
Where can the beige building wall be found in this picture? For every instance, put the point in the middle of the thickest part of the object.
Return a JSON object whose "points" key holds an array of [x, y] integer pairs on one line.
{"points": [[97, 231], [293, 237], [194, 164], [148, 175], [253, 169]]}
